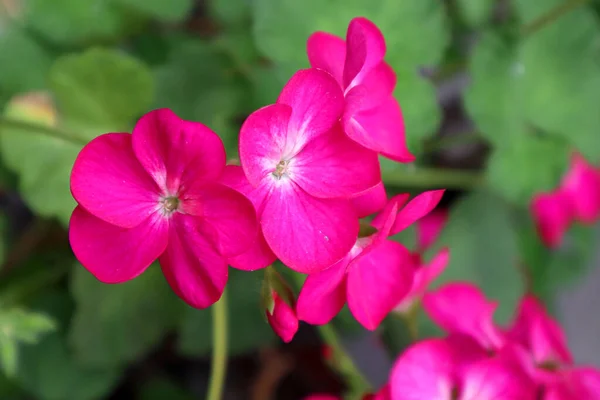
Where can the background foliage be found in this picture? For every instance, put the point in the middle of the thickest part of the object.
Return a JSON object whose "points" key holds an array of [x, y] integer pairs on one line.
{"points": [[496, 96]]}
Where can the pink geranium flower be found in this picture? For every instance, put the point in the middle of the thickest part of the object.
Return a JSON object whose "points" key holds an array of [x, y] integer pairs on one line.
{"points": [[374, 275], [282, 317], [372, 116], [456, 368], [154, 195], [304, 170], [575, 384]]}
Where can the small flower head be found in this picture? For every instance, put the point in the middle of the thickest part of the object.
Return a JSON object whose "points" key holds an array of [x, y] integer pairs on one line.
{"points": [[280, 305]]}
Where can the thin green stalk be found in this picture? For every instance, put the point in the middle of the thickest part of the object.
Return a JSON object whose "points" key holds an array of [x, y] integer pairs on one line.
{"points": [[219, 353], [37, 128], [551, 16], [433, 178]]}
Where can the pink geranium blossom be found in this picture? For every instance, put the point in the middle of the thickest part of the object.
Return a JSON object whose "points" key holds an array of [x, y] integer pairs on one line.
{"points": [[154, 195], [372, 116], [282, 317], [304, 171], [375, 274]]}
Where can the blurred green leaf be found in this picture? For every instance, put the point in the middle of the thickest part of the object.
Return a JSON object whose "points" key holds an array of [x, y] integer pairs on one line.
{"points": [[248, 325], [231, 12], [171, 10], [116, 324], [416, 33], [161, 389], [97, 91], [527, 165], [483, 249], [476, 12]]}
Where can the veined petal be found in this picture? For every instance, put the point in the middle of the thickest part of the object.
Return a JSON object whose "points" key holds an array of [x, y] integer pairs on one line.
{"points": [[176, 152], [376, 88], [233, 177], [334, 166], [264, 138], [317, 103], [380, 129], [552, 215], [109, 182], [371, 201], [114, 254], [378, 279], [258, 256], [306, 233], [365, 48], [323, 294], [327, 52], [195, 270]]}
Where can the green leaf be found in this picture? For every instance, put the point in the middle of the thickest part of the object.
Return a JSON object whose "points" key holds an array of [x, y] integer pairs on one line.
{"points": [[483, 249], [8, 355], [97, 91], [171, 11], [476, 12], [416, 33], [527, 165], [231, 12], [248, 325], [116, 324], [161, 389]]}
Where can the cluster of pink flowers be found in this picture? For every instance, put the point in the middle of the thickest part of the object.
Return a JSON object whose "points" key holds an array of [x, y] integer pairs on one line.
{"points": [[577, 199]]}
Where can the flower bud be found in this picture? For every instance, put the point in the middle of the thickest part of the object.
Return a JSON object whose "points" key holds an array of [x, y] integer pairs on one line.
{"points": [[280, 305]]}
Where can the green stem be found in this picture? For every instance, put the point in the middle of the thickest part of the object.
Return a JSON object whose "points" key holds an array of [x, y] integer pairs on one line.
{"points": [[219, 354], [551, 16], [433, 178], [37, 128]]}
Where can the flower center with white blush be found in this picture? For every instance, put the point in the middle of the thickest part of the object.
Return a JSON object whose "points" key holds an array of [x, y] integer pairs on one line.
{"points": [[169, 204], [281, 169]]}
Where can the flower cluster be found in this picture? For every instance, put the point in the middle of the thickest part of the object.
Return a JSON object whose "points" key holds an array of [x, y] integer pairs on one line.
{"points": [[576, 200]]}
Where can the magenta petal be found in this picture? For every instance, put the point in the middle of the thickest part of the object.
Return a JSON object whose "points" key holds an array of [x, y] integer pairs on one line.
{"points": [[264, 141], [424, 371], [377, 280], [429, 228], [258, 256], [375, 89], [416, 209], [493, 379], [113, 254], [323, 294], [306, 233], [233, 177], [226, 213], [327, 52], [283, 320], [177, 152], [582, 185], [317, 103], [476, 313], [109, 182], [334, 166], [194, 269], [380, 129], [552, 216], [371, 201], [365, 48]]}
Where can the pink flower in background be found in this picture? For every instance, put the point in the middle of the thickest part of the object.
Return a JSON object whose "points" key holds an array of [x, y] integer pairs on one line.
{"points": [[154, 194], [304, 171], [372, 116], [575, 384], [462, 308], [577, 199], [374, 276], [456, 368]]}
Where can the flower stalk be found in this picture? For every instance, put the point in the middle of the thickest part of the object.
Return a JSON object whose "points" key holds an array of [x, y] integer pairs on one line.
{"points": [[219, 352]]}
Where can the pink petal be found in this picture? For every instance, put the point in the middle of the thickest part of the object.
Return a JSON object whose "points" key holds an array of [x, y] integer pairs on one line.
{"points": [[258, 256], [388, 216], [306, 233], [380, 129], [109, 182], [365, 48], [385, 393], [375, 89], [377, 280], [177, 152], [371, 201], [283, 320], [317, 103], [423, 277], [476, 312], [416, 209], [114, 254], [494, 380], [582, 185], [327, 52], [226, 213], [194, 269], [429, 228], [424, 371], [264, 140], [552, 215], [334, 166], [323, 294], [322, 397], [233, 177]]}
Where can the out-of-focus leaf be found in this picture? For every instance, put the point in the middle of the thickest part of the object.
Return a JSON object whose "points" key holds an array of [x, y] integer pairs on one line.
{"points": [[248, 325], [527, 165], [97, 91], [161, 389], [47, 369], [116, 324], [231, 12], [172, 10], [416, 34], [475, 12]]}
